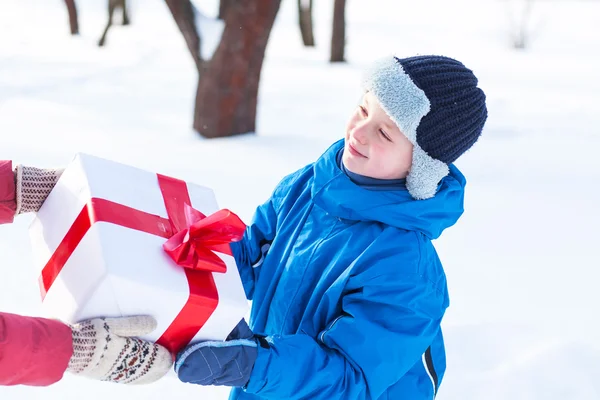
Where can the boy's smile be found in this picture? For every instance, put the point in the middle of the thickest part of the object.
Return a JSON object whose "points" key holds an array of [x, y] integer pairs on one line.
{"points": [[355, 152]]}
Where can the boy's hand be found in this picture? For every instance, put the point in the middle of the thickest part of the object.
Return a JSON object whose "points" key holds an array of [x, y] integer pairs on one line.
{"points": [[227, 363], [105, 349], [33, 185]]}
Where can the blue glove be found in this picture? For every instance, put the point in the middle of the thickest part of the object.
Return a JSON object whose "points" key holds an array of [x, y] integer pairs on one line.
{"points": [[227, 363]]}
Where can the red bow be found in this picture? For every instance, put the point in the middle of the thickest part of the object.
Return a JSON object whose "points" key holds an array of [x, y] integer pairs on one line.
{"points": [[192, 247]]}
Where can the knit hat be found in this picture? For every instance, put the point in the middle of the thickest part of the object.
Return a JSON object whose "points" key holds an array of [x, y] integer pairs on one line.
{"points": [[435, 102]]}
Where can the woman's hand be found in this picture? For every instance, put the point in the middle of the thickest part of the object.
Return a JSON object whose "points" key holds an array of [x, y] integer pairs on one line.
{"points": [[33, 185], [106, 349]]}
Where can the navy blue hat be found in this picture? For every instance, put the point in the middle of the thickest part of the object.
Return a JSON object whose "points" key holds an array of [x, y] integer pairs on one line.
{"points": [[435, 102]]}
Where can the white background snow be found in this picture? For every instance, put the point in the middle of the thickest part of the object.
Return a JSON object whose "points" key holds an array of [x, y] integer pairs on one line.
{"points": [[522, 263]]}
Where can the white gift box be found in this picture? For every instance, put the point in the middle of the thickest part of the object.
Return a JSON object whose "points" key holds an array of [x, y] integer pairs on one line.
{"points": [[98, 245]]}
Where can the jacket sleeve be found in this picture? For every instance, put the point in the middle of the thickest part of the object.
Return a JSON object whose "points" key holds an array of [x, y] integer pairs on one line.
{"points": [[8, 202], [249, 253], [33, 351], [386, 324], [251, 250]]}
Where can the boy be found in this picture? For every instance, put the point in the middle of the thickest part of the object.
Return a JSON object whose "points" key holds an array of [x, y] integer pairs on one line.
{"points": [[348, 292]]}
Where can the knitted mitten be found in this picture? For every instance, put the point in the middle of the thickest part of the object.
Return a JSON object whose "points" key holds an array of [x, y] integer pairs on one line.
{"points": [[33, 185], [104, 349]]}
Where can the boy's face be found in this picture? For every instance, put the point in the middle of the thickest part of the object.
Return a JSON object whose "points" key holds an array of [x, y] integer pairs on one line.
{"points": [[375, 147]]}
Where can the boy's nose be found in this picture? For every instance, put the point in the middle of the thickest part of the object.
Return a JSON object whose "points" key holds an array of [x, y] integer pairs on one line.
{"points": [[360, 133]]}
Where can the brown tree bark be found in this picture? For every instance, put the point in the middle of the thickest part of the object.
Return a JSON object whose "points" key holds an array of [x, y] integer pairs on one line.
{"points": [[227, 93], [183, 14], [338, 36], [306, 22], [223, 5], [73, 21]]}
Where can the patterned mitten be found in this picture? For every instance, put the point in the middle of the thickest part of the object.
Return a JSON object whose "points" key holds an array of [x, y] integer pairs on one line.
{"points": [[105, 349], [33, 185]]}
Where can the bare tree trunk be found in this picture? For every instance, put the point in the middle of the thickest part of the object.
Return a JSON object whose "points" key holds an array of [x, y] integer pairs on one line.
{"points": [[306, 22], [73, 22], [227, 93], [519, 26], [112, 6], [126, 19], [338, 35], [183, 13], [223, 5]]}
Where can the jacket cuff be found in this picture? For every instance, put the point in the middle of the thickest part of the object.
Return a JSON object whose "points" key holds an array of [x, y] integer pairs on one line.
{"points": [[258, 378], [35, 351], [8, 201]]}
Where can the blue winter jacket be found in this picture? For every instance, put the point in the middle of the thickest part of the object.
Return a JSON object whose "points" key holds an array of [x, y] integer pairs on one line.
{"points": [[347, 285]]}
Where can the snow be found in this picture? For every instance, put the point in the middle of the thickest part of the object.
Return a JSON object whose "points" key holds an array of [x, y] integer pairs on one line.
{"points": [[522, 263]]}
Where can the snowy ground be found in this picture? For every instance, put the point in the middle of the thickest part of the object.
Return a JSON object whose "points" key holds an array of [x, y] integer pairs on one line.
{"points": [[521, 263]]}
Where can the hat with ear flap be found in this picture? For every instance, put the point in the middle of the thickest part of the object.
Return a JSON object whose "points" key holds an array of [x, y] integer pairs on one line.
{"points": [[436, 104]]}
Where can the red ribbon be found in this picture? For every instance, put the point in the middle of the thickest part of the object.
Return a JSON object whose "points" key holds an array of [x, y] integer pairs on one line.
{"points": [[192, 240]]}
